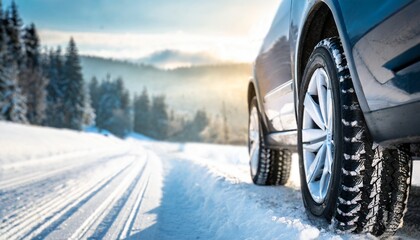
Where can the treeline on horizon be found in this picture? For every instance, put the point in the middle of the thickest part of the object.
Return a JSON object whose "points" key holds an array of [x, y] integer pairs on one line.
{"points": [[150, 115], [47, 88]]}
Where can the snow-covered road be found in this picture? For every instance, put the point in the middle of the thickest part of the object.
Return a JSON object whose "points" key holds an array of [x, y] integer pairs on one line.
{"points": [[57, 184]]}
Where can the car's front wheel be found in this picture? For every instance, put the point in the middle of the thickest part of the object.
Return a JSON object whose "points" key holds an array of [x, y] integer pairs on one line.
{"points": [[344, 176]]}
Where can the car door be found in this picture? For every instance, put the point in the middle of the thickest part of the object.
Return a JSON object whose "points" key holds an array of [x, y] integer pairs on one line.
{"points": [[273, 72]]}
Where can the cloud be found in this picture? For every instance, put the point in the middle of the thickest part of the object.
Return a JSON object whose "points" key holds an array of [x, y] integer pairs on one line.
{"points": [[134, 46], [170, 59]]}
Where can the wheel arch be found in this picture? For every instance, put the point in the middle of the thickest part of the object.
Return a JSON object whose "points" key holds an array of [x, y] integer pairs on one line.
{"points": [[319, 17], [253, 90], [325, 15]]}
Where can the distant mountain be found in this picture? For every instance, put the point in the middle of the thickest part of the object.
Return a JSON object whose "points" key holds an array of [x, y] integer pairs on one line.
{"points": [[170, 59], [187, 89]]}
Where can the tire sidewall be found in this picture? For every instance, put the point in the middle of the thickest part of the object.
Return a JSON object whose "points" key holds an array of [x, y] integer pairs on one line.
{"points": [[322, 57]]}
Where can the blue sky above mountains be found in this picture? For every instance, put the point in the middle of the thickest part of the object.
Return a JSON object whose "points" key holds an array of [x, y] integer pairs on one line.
{"points": [[228, 29]]}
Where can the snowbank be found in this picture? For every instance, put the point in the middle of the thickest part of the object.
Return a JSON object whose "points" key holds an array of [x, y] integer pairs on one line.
{"points": [[22, 142]]}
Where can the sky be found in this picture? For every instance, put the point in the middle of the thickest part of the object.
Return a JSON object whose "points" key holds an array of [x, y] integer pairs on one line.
{"points": [[230, 30]]}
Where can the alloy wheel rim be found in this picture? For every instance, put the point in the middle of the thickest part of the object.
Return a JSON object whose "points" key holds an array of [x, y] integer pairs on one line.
{"points": [[318, 135], [254, 139]]}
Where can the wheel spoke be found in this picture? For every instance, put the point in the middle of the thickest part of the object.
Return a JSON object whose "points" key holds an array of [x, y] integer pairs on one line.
{"points": [[312, 147], [313, 135], [313, 139], [308, 159], [329, 109], [324, 181], [254, 121], [329, 158], [255, 149], [322, 95], [314, 168], [312, 108]]}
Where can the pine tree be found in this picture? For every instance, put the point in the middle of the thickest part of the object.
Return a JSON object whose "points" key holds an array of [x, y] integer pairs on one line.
{"points": [[123, 94], [89, 112], [159, 118], [12, 103], [200, 120], [142, 113], [31, 46], [74, 94], [213, 132], [31, 78], [194, 128], [53, 67], [13, 28], [103, 102], [111, 102], [94, 93], [125, 108]]}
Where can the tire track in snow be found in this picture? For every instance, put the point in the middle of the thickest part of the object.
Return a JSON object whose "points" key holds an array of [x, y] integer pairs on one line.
{"points": [[40, 190], [42, 174], [51, 159], [57, 209], [98, 224], [123, 226], [140, 222]]}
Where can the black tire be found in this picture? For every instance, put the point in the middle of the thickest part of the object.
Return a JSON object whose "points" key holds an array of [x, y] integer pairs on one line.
{"points": [[369, 185], [273, 167], [396, 182]]}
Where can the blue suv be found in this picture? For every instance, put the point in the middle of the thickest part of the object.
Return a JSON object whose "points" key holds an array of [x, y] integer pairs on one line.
{"points": [[338, 81]]}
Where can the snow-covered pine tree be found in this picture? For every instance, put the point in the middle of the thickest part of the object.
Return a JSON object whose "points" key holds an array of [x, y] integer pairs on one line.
{"points": [[103, 101], [112, 106], [53, 67], [198, 124], [213, 133], [123, 94], [108, 101], [94, 96], [74, 94], [13, 29], [159, 118], [31, 78], [124, 97], [142, 113], [89, 112], [193, 130], [12, 103], [94, 93]]}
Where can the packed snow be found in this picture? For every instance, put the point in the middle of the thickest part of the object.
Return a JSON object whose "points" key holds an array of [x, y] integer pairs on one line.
{"points": [[60, 184]]}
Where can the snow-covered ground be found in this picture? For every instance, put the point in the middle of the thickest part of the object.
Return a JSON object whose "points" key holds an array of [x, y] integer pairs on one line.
{"points": [[59, 184]]}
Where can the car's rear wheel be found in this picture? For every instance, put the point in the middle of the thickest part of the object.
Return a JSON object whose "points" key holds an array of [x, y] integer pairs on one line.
{"points": [[268, 166], [344, 176]]}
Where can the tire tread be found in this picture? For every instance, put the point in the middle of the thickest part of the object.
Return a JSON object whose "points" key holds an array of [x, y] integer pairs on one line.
{"points": [[375, 181]]}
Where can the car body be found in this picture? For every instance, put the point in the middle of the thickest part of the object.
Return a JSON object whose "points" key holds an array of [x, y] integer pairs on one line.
{"points": [[338, 81], [381, 42]]}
